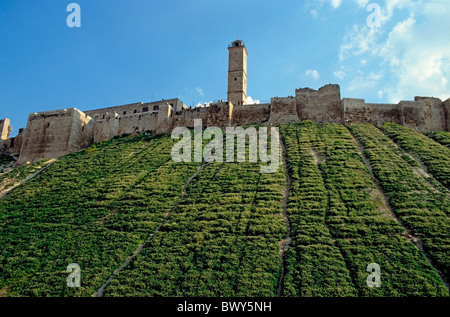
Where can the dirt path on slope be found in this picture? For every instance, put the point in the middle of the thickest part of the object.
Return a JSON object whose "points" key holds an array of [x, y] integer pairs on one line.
{"points": [[5, 192], [408, 234], [285, 244]]}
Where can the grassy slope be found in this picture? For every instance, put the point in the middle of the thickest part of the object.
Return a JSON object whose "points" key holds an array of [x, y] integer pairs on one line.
{"points": [[353, 214], [95, 206], [91, 208]]}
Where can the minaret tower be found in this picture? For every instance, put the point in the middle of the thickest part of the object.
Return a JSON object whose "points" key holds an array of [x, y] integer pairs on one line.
{"points": [[237, 73]]}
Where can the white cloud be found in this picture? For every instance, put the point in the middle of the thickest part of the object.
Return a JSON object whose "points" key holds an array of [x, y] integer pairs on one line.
{"points": [[314, 13], [340, 74], [362, 82], [403, 58], [250, 101], [392, 5], [205, 104], [200, 91], [336, 3], [358, 41], [313, 73], [418, 62], [362, 3]]}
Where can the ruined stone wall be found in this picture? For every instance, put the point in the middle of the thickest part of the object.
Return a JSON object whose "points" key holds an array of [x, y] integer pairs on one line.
{"points": [[358, 111], [446, 106], [250, 114], [219, 114], [354, 110], [434, 114], [5, 129], [423, 113], [283, 110], [323, 105], [216, 115], [377, 114], [412, 115], [52, 134], [186, 118], [12, 146]]}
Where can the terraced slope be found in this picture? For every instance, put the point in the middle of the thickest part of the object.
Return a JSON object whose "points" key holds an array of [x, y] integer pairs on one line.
{"points": [[139, 224], [441, 137], [435, 156], [352, 222], [92, 208], [419, 202]]}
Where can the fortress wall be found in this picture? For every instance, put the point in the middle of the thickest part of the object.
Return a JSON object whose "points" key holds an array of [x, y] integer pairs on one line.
{"points": [[249, 114], [56, 133], [135, 108], [103, 113], [107, 128], [186, 118], [412, 114], [219, 114], [434, 115], [134, 123], [354, 110], [323, 105], [165, 120], [11, 146], [446, 106], [16, 144], [377, 114], [47, 135], [82, 132], [283, 110], [216, 115]]}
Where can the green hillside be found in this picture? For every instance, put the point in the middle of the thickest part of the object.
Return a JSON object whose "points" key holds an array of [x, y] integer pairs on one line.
{"points": [[139, 224]]}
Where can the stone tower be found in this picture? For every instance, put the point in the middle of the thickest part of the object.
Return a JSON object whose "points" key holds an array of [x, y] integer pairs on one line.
{"points": [[237, 73]]}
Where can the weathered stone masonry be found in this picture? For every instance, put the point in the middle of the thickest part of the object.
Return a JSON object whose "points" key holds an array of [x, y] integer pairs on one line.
{"points": [[52, 134]]}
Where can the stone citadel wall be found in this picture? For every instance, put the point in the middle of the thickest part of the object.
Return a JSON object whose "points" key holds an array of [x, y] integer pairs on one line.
{"points": [[52, 134]]}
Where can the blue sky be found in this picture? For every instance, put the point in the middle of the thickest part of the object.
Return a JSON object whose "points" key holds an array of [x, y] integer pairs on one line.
{"points": [[141, 50]]}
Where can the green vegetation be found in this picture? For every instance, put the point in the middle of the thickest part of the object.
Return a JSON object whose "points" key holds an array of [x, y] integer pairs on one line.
{"points": [[11, 178], [349, 219], [419, 204], [221, 235], [441, 137], [314, 264], [92, 208], [435, 156], [221, 240]]}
